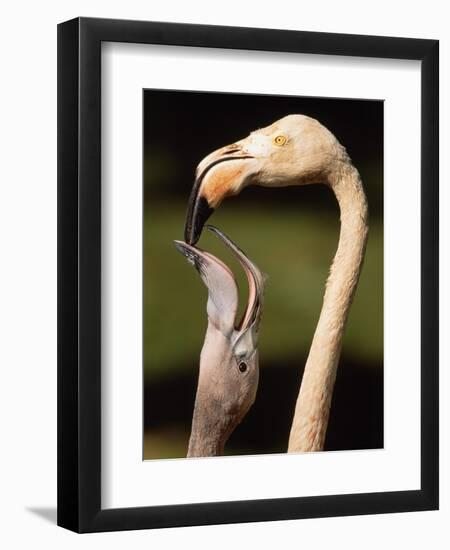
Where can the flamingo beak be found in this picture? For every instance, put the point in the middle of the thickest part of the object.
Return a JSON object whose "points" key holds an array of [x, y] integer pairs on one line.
{"points": [[223, 291], [207, 194]]}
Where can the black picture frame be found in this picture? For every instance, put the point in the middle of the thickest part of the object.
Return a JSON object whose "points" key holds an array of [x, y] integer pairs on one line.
{"points": [[79, 274]]}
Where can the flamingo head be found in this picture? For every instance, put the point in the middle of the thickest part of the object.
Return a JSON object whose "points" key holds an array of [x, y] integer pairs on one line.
{"points": [[295, 150]]}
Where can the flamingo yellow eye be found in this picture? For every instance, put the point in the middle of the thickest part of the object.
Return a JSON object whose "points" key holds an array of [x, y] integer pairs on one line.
{"points": [[279, 140]]}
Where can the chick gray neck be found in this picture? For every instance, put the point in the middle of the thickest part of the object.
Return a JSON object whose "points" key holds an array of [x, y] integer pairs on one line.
{"points": [[212, 423]]}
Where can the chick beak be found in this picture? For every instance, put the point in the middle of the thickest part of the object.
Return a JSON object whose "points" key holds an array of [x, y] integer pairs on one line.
{"points": [[199, 208]]}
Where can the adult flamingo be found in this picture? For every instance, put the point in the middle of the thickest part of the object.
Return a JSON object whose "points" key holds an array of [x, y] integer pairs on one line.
{"points": [[297, 150]]}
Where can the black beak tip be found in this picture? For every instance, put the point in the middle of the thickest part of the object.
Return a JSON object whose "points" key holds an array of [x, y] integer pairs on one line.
{"points": [[192, 255], [188, 235], [196, 219], [181, 247]]}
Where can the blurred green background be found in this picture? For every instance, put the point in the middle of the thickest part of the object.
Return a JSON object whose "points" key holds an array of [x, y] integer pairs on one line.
{"points": [[291, 234]]}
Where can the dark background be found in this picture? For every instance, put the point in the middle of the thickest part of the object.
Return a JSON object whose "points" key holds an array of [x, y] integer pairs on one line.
{"points": [[291, 234]]}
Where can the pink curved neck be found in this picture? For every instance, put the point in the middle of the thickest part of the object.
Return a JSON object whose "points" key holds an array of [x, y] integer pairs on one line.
{"points": [[313, 404]]}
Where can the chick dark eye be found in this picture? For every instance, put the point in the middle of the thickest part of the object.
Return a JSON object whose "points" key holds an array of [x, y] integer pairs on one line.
{"points": [[242, 366]]}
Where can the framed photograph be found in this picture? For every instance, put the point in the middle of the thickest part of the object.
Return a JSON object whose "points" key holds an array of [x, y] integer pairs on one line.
{"points": [[247, 276]]}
